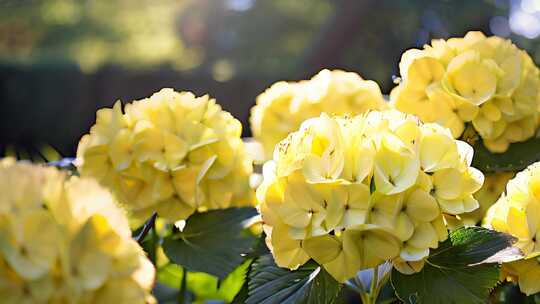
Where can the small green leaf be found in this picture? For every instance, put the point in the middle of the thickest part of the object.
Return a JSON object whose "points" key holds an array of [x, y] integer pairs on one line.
{"points": [[214, 242], [269, 284], [204, 286], [516, 158], [457, 272]]}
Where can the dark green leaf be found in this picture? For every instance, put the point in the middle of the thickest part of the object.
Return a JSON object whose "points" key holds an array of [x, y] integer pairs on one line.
{"points": [[258, 250], [472, 245], [259, 247], [242, 294], [387, 294], [270, 284], [516, 158], [436, 285], [214, 242], [457, 272]]}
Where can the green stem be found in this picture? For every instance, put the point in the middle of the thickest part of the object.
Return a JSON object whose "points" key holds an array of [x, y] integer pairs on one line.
{"points": [[183, 290], [150, 227], [372, 296], [383, 281], [150, 224], [364, 298]]}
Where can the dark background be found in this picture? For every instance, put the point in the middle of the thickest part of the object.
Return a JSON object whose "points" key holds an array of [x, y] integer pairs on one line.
{"points": [[60, 60]]}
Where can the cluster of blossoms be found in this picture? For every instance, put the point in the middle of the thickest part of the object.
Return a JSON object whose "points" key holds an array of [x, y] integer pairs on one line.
{"points": [[352, 193], [493, 187], [173, 153], [485, 82], [63, 240], [517, 213], [285, 105]]}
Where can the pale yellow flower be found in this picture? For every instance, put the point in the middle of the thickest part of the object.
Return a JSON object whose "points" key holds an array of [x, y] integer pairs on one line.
{"points": [[285, 105], [352, 193], [517, 212], [486, 82], [525, 272], [173, 153], [64, 240]]}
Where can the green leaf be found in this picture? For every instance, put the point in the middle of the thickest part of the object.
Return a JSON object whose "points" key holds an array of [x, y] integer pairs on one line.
{"points": [[203, 286], [457, 271], [516, 158], [446, 285], [387, 294], [474, 245], [241, 296], [269, 284], [214, 242], [259, 249]]}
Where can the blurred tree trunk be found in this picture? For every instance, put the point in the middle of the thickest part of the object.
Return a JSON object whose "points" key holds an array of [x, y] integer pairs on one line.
{"points": [[341, 31]]}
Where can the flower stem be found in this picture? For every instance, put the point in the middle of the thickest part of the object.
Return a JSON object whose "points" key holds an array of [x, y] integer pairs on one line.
{"points": [[183, 290], [155, 243], [370, 296], [373, 290], [150, 224]]}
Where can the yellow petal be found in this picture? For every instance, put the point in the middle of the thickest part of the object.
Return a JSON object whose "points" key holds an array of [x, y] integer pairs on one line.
{"points": [[471, 79], [287, 252], [424, 236], [421, 206], [323, 249]]}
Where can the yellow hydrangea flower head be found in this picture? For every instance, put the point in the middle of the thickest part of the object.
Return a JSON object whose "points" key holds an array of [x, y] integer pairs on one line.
{"points": [[517, 213], [173, 153], [352, 193], [485, 82], [64, 240], [285, 105]]}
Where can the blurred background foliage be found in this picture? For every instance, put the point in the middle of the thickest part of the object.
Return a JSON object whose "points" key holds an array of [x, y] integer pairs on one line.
{"points": [[60, 60]]}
